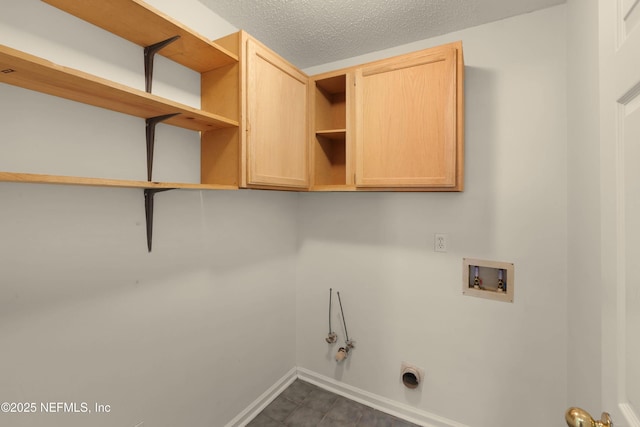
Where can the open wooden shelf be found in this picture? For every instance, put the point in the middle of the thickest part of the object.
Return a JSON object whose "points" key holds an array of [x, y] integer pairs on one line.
{"points": [[101, 182], [330, 141], [332, 85], [30, 72], [335, 134], [141, 24]]}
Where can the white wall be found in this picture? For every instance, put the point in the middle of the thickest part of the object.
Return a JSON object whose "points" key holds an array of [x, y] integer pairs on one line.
{"points": [[190, 334], [584, 285], [487, 363]]}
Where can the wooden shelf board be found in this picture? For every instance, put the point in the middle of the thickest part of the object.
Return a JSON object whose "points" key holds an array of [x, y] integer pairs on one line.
{"points": [[336, 134], [143, 25], [100, 182], [333, 85], [30, 72]]}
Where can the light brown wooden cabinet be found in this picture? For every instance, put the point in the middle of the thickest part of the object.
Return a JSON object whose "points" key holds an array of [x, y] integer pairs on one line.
{"points": [[407, 121], [390, 125], [276, 122], [395, 124], [270, 150]]}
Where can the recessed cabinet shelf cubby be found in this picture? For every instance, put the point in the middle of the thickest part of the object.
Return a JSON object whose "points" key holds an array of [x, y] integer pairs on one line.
{"points": [[330, 117]]}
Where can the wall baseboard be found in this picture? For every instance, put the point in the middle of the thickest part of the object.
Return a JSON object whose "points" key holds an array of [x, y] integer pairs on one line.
{"points": [[244, 417], [397, 409]]}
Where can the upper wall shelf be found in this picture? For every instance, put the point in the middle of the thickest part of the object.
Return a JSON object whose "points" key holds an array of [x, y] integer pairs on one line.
{"points": [[337, 134], [31, 178], [30, 72], [143, 25]]}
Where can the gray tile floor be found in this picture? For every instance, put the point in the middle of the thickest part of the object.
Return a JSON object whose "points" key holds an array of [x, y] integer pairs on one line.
{"points": [[305, 405]]}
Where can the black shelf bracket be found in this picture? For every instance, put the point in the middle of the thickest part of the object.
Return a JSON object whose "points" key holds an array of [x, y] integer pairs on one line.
{"points": [[151, 138], [149, 194], [149, 54]]}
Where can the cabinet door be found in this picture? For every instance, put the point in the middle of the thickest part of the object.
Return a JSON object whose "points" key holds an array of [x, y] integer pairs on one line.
{"points": [[407, 121], [277, 153]]}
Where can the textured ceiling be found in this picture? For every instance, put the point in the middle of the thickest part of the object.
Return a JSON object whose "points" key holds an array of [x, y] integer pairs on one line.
{"points": [[313, 32]]}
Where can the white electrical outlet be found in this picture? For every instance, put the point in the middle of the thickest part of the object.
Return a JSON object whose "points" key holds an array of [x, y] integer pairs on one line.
{"points": [[440, 242]]}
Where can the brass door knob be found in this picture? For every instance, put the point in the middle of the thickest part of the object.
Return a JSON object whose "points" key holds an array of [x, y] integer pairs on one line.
{"points": [[577, 417]]}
